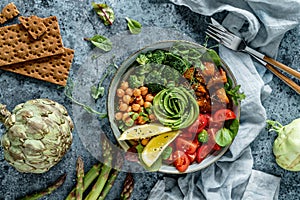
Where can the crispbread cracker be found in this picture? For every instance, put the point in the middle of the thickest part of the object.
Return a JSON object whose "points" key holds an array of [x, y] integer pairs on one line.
{"points": [[34, 25], [16, 44], [8, 12], [54, 69]]}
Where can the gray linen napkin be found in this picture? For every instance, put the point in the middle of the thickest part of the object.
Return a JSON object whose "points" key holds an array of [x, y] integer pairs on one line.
{"points": [[232, 177]]}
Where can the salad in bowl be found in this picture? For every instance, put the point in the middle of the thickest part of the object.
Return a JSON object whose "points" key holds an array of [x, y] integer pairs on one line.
{"points": [[174, 105]]}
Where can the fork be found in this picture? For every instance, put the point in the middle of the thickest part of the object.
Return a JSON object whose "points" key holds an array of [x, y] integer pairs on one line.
{"points": [[231, 41]]}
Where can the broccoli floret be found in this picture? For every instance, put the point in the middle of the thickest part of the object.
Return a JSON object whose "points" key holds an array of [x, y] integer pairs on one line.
{"points": [[136, 81]]}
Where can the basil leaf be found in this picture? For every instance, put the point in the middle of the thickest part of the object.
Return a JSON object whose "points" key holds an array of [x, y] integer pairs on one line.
{"points": [[223, 137], [101, 42], [104, 12], [234, 127], [134, 26]]}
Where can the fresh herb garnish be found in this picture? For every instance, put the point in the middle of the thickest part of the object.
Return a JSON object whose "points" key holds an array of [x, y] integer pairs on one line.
{"points": [[68, 93], [98, 90], [224, 137], [101, 42], [134, 26], [105, 13], [234, 92]]}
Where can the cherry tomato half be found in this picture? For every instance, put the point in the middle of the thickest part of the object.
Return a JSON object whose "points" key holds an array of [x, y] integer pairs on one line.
{"points": [[187, 146], [203, 151], [182, 162], [223, 114], [192, 157], [200, 123]]}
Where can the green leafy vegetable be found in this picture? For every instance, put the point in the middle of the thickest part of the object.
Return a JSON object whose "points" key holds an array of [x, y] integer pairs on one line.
{"points": [[155, 87], [142, 59], [224, 137], [101, 42], [134, 26], [234, 127], [104, 12], [234, 92], [136, 81], [68, 93], [98, 90]]}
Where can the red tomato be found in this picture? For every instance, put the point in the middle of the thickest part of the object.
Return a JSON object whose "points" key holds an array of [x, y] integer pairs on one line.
{"points": [[187, 135], [192, 157], [217, 147], [223, 114], [203, 151], [182, 162], [199, 124], [187, 146]]}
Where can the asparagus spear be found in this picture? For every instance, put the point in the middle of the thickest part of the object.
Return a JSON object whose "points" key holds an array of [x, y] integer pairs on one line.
{"points": [[109, 184], [80, 176], [128, 187], [98, 186], [91, 175], [48, 190]]}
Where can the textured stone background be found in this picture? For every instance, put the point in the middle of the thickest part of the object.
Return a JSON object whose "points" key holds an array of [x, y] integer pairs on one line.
{"points": [[77, 20]]}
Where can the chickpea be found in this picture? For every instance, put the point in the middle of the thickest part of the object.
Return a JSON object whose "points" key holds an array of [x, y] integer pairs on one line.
{"points": [[120, 92], [137, 99], [136, 107], [152, 117], [141, 102], [118, 116], [141, 120], [131, 100], [141, 109], [124, 85], [129, 109], [129, 91], [123, 107], [145, 141], [126, 99], [147, 104], [125, 116], [144, 90], [149, 97], [137, 92]]}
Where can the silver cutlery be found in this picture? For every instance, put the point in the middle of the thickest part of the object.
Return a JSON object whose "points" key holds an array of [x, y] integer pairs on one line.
{"points": [[231, 41]]}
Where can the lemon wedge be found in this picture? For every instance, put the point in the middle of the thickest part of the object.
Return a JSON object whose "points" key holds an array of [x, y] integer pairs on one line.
{"points": [[144, 131], [156, 146]]}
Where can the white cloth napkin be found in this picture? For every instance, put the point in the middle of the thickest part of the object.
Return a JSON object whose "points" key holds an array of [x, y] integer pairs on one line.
{"points": [[232, 177]]}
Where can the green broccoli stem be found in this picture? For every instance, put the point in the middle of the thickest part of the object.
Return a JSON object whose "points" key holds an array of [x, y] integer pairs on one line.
{"points": [[48, 190], [274, 126], [91, 175], [102, 178], [80, 176], [109, 184]]}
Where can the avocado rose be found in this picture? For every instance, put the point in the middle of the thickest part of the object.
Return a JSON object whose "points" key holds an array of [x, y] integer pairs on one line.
{"points": [[175, 107]]}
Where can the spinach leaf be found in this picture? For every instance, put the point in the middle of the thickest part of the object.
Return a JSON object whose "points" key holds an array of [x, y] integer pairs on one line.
{"points": [[134, 26], [142, 59], [234, 127], [223, 137], [104, 12], [98, 90], [101, 42]]}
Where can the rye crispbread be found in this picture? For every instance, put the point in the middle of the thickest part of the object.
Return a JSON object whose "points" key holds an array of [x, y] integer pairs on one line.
{"points": [[8, 12], [34, 25], [17, 46], [54, 69]]}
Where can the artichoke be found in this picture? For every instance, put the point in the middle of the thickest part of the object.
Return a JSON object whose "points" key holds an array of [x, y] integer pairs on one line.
{"points": [[39, 133]]}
